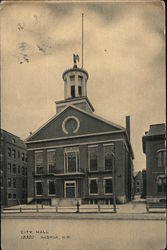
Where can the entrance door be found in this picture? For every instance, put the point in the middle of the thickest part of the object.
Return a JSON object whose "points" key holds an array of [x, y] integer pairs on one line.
{"points": [[70, 189]]}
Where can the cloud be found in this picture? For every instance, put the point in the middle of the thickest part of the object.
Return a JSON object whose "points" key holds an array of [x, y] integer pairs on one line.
{"points": [[123, 53]]}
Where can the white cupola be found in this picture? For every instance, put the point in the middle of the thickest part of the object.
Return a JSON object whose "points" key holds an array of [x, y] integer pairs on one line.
{"points": [[75, 88]]}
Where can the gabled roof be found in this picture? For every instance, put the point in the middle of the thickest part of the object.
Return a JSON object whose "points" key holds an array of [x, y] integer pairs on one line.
{"points": [[55, 117]]}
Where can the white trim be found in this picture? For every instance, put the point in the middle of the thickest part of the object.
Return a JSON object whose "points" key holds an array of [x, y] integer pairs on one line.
{"points": [[65, 182], [75, 144], [52, 118], [38, 151], [76, 136], [93, 146], [106, 178], [105, 145], [65, 121], [49, 150], [66, 155], [125, 146], [161, 150], [108, 144], [82, 111], [98, 118], [97, 179], [71, 149], [72, 102]]}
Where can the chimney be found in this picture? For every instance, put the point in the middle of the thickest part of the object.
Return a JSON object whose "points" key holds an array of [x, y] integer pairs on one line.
{"points": [[128, 126]]}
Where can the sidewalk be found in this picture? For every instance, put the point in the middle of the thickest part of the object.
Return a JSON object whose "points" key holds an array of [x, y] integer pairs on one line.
{"points": [[129, 211]]}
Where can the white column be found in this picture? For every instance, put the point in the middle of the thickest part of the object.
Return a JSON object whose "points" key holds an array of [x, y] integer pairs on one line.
{"points": [[65, 88], [84, 87], [76, 84], [68, 87]]}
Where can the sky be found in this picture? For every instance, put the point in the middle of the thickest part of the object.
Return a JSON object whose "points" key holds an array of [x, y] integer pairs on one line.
{"points": [[124, 54]]}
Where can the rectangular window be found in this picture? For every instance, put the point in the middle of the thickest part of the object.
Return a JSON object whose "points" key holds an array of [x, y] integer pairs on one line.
{"points": [[93, 152], [72, 78], [51, 158], [18, 169], [39, 162], [23, 171], [80, 90], [14, 169], [14, 153], [52, 189], [14, 196], [71, 158], [39, 188], [23, 157], [9, 182], [9, 196], [108, 186], [9, 168], [108, 157], [9, 152], [93, 186], [14, 183], [72, 161], [73, 91], [18, 154], [161, 184]]}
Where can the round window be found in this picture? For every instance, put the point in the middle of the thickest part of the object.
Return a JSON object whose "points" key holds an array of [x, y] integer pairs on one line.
{"points": [[70, 125]]}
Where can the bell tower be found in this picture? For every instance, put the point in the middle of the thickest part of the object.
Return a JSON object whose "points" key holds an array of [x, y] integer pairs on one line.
{"points": [[75, 88]]}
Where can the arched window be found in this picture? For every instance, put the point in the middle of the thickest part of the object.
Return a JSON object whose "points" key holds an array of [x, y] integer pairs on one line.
{"points": [[161, 158]]}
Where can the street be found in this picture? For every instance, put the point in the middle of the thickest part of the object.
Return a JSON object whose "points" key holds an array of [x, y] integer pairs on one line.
{"points": [[57, 234]]}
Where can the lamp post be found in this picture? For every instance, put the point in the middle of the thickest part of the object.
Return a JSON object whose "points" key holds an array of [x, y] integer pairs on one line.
{"points": [[113, 183]]}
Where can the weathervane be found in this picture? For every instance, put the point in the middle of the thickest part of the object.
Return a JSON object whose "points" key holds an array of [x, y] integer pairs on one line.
{"points": [[75, 59]]}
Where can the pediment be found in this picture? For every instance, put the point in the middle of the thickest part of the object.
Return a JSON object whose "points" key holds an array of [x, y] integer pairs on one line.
{"points": [[73, 121]]}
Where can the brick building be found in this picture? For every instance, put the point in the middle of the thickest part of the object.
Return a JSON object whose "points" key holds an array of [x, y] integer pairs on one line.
{"points": [[154, 148], [13, 170], [72, 156], [138, 178]]}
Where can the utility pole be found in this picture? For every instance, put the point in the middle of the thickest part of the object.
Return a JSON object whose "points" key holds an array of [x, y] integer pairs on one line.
{"points": [[114, 182]]}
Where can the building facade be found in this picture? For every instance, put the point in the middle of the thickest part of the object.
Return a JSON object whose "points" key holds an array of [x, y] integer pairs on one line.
{"points": [[73, 156], [13, 170], [154, 148], [138, 183]]}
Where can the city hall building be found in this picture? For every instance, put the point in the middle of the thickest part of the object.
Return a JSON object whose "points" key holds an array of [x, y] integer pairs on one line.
{"points": [[77, 155]]}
